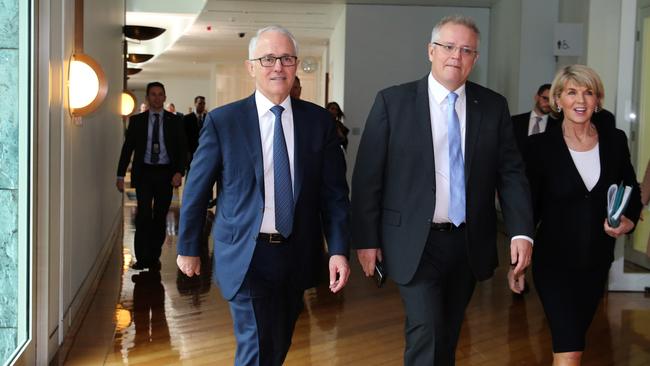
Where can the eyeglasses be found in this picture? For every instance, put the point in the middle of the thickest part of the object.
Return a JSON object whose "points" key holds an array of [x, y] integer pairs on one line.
{"points": [[269, 61], [450, 49]]}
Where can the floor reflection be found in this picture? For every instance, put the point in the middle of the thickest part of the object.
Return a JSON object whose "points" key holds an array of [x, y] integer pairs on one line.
{"points": [[166, 318]]}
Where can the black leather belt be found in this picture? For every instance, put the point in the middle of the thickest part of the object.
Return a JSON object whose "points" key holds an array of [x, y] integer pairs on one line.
{"points": [[271, 238], [446, 226]]}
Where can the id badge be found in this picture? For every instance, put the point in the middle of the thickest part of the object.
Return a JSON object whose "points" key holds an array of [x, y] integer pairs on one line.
{"points": [[155, 148]]}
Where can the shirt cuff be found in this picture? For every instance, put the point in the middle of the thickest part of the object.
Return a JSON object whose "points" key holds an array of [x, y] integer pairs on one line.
{"points": [[527, 238], [120, 178]]}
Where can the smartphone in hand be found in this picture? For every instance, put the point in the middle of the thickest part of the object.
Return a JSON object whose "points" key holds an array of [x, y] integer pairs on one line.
{"points": [[380, 274]]}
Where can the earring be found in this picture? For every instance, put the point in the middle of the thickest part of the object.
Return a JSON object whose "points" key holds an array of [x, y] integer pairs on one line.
{"points": [[596, 109], [559, 109]]}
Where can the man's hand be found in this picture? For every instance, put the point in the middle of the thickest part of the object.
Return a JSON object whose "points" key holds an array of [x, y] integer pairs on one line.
{"points": [[189, 265], [177, 179], [338, 264], [120, 185], [623, 228], [368, 258], [521, 251], [516, 283]]}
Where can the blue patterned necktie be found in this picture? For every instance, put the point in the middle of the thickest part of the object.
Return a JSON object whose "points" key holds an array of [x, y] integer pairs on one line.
{"points": [[155, 139], [283, 189], [456, 164]]}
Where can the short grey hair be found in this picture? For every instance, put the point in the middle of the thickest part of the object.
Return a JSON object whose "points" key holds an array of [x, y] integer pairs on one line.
{"points": [[272, 28], [456, 19]]}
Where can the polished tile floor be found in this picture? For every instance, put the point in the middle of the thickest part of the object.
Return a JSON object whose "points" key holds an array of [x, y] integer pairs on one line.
{"points": [[165, 318]]}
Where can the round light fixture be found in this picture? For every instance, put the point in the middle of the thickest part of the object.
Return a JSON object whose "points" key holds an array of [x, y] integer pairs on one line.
{"points": [[128, 103], [141, 32], [138, 58], [87, 85], [309, 64], [133, 70]]}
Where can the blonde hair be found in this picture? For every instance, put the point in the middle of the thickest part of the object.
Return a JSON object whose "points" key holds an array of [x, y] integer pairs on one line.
{"points": [[581, 75]]}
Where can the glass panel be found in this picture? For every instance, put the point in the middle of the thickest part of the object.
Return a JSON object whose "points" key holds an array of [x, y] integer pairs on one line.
{"points": [[637, 252], [15, 124]]}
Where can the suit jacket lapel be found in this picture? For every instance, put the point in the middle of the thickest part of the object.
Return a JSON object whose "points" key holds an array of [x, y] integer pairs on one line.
{"points": [[605, 154], [166, 132], [299, 119], [563, 153], [472, 126], [423, 127], [253, 140]]}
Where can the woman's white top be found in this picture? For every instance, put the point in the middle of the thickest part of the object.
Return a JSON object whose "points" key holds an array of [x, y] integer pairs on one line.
{"points": [[588, 164]]}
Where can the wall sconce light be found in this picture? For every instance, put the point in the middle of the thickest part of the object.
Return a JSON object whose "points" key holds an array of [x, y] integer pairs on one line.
{"points": [[128, 103], [87, 85]]}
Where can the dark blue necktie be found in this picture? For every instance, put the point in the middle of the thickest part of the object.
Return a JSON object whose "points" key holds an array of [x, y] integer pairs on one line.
{"points": [[283, 189], [155, 140], [456, 164]]}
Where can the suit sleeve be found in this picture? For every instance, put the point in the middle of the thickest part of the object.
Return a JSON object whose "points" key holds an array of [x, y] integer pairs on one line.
{"points": [[534, 172], [180, 160], [207, 161], [368, 178], [512, 184], [335, 204], [127, 148]]}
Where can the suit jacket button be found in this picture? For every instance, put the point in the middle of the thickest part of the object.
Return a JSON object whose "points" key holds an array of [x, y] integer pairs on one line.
{"points": [[586, 195]]}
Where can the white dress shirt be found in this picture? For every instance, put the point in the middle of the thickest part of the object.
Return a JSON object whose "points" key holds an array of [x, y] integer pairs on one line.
{"points": [[438, 113], [533, 119], [163, 158], [267, 124], [438, 108]]}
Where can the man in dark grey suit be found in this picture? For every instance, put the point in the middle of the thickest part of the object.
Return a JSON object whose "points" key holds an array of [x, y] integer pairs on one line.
{"points": [[536, 121], [432, 156], [156, 140]]}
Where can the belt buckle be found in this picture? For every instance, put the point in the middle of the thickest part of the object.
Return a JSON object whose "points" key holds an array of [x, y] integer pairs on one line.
{"points": [[276, 239]]}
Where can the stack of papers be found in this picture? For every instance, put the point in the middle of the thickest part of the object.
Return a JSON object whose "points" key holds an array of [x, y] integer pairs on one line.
{"points": [[617, 198]]}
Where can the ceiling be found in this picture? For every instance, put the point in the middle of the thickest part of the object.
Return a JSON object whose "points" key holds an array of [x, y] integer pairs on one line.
{"points": [[203, 33]]}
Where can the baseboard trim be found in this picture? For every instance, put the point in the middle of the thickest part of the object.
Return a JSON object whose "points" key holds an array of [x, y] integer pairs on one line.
{"points": [[78, 309]]}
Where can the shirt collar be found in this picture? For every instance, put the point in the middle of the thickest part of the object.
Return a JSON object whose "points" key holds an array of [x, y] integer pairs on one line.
{"points": [[534, 114], [264, 105], [440, 93], [160, 112]]}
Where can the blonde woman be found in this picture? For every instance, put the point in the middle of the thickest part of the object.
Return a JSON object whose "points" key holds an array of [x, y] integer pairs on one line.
{"points": [[570, 168]]}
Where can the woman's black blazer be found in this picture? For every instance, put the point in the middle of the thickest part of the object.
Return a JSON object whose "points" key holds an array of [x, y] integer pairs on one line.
{"points": [[570, 218]]}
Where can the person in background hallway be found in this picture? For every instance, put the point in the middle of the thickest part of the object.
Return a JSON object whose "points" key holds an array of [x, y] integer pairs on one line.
{"points": [[536, 121], [341, 130], [570, 170], [158, 140], [296, 89], [282, 184], [144, 107], [172, 109], [193, 122], [432, 155]]}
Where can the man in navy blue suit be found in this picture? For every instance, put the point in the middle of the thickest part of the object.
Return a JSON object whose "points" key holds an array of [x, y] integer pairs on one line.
{"points": [[281, 184]]}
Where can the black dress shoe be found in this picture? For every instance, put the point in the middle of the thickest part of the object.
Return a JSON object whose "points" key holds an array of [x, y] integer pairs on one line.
{"points": [[139, 266]]}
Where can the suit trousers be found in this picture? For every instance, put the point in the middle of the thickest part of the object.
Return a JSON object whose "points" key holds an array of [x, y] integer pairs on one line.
{"points": [[154, 193], [266, 307], [436, 298]]}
